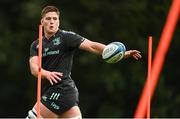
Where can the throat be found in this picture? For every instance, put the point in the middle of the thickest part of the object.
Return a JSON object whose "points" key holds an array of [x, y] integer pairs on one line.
{"points": [[49, 35]]}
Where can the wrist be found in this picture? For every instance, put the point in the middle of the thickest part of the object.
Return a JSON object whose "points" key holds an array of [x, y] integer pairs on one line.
{"points": [[127, 54], [44, 73]]}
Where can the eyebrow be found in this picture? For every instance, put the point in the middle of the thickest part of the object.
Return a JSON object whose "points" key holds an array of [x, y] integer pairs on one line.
{"points": [[51, 18]]}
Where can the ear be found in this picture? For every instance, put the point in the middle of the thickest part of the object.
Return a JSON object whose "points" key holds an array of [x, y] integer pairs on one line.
{"points": [[41, 21]]}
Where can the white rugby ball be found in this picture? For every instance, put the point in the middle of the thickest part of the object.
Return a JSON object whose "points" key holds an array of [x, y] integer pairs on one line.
{"points": [[114, 52]]}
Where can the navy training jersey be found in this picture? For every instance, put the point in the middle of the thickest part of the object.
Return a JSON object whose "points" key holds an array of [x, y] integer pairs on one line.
{"points": [[58, 51]]}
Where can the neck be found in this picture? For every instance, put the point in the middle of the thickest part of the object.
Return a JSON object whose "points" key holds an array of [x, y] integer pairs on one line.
{"points": [[49, 35]]}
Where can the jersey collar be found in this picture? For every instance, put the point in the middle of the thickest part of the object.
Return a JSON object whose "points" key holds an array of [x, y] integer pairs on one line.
{"points": [[53, 36]]}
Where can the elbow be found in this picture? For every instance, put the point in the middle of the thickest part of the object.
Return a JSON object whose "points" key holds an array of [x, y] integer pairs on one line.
{"points": [[34, 73]]}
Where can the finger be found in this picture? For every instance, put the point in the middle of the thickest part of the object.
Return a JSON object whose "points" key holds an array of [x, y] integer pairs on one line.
{"points": [[51, 82], [57, 77], [136, 57], [54, 80], [136, 51], [137, 54], [59, 74], [49, 79]]}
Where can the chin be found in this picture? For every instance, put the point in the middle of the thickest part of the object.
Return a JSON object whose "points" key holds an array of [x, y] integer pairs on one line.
{"points": [[51, 31]]}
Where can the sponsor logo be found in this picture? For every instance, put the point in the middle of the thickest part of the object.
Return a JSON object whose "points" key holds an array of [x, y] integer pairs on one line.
{"points": [[44, 98], [46, 49], [54, 96], [55, 52], [56, 41], [55, 106]]}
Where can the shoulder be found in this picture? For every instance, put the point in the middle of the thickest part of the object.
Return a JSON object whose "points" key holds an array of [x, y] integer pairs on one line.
{"points": [[64, 32], [70, 35], [34, 44]]}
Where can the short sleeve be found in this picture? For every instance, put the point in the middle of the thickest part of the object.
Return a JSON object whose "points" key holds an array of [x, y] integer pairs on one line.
{"points": [[73, 40], [33, 49]]}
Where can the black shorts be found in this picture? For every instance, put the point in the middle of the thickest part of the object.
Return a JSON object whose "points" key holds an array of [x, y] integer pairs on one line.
{"points": [[60, 101]]}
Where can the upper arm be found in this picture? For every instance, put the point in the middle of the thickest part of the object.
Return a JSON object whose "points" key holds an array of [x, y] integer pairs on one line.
{"points": [[86, 45], [33, 59], [33, 62]]}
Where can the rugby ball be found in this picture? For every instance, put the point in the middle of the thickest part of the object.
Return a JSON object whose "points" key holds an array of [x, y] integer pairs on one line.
{"points": [[114, 52]]}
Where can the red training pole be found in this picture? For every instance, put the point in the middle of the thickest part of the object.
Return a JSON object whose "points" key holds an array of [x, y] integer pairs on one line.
{"points": [[39, 71], [159, 56], [149, 76]]}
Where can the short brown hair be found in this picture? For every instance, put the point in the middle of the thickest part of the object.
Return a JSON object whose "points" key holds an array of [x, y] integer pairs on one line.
{"points": [[49, 9]]}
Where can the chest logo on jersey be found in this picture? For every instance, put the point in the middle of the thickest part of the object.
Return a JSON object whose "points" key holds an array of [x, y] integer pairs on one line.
{"points": [[56, 41], [47, 52], [46, 49], [37, 46]]}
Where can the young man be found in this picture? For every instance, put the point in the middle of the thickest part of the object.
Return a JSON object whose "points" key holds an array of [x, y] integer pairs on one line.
{"points": [[59, 94]]}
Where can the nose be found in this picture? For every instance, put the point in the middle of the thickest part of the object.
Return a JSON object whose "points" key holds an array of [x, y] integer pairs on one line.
{"points": [[52, 21]]}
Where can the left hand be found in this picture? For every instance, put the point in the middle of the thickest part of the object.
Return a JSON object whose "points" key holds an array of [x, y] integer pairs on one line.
{"points": [[133, 53]]}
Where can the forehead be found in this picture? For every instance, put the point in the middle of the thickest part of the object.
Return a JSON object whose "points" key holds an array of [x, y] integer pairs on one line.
{"points": [[51, 14]]}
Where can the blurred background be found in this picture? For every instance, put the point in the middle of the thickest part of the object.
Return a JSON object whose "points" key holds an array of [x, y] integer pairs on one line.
{"points": [[106, 90]]}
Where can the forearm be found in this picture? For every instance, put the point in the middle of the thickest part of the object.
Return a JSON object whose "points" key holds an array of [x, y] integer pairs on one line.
{"points": [[98, 48], [34, 71], [51, 76], [93, 47]]}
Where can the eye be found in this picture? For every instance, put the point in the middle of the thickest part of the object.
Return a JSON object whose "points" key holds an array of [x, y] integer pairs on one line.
{"points": [[55, 18], [48, 18]]}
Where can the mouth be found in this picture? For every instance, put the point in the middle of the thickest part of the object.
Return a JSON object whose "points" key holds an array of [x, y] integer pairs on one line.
{"points": [[51, 27]]}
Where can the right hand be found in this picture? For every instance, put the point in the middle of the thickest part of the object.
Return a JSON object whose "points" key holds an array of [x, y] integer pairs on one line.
{"points": [[133, 53], [53, 77]]}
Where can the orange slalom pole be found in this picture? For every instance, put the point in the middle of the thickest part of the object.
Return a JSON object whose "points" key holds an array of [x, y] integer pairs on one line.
{"points": [[39, 71], [159, 56], [149, 76]]}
